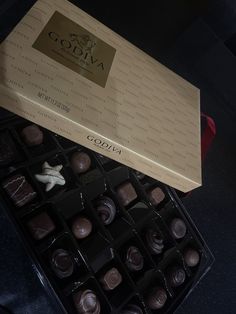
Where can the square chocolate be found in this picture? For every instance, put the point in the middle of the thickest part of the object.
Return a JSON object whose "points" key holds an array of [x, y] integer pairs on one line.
{"points": [[8, 152], [19, 190], [40, 226], [126, 193], [156, 196]]}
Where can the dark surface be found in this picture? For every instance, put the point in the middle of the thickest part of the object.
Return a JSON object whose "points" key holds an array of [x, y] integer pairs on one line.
{"points": [[195, 49]]}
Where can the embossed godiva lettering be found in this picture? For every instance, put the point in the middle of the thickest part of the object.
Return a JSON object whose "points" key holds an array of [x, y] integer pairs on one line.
{"points": [[103, 145], [76, 48]]}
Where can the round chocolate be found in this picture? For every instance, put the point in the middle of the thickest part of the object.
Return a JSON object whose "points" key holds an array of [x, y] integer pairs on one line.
{"points": [[106, 209], [154, 241], [176, 277], [111, 279], [134, 259], [62, 263], [80, 162], [132, 309], [32, 135], [178, 228], [156, 299], [191, 257], [86, 302], [81, 227]]}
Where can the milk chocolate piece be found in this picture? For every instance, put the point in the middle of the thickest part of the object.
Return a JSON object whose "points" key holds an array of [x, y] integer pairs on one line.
{"points": [[81, 227], [156, 196], [126, 193], [32, 135], [40, 226], [106, 209], [80, 162], [178, 228], [86, 302], [19, 190], [134, 259], [176, 276], [154, 241], [111, 279], [156, 299], [62, 263], [191, 257], [132, 309], [7, 149]]}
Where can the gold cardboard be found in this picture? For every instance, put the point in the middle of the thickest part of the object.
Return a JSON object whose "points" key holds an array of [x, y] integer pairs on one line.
{"points": [[142, 115]]}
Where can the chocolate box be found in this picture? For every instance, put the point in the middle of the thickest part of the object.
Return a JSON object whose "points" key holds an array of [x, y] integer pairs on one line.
{"points": [[71, 74]]}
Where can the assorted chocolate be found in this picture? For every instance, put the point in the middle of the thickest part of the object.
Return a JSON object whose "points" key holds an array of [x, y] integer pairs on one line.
{"points": [[81, 227], [82, 277], [19, 190], [156, 298], [62, 263], [32, 135], [86, 302], [154, 241], [40, 226], [134, 259], [106, 209], [111, 279], [126, 193]]}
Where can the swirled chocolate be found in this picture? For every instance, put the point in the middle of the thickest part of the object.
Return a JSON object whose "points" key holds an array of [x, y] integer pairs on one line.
{"points": [[106, 209], [178, 228], [156, 299], [154, 241], [132, 309], [62, 263], [111, 279], [176, 276], [134, 259], [86, 302]]}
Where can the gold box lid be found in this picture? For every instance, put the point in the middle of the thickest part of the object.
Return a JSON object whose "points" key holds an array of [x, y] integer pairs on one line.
{"points": [[68, 72]]}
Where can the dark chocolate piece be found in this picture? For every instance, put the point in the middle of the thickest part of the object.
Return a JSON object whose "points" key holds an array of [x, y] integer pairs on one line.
{"points": [[126, 193], [81, 227], [132, 309], [156, 299], [178, 228], [62, 263], [80, 162], [111, 279], [154, 241], [86, 302], [7, 149], [139, 175], [40, 226], [156, 196], [106, 209], [19, 190], [134, 259], [191, 257], [32, 135], [176, 276]]}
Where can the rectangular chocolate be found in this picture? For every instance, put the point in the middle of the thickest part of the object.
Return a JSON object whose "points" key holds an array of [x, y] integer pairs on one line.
{"points": [[71, 74]]}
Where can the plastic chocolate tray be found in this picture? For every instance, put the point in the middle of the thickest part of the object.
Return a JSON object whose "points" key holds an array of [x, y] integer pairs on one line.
{"points": [[110, 239]]}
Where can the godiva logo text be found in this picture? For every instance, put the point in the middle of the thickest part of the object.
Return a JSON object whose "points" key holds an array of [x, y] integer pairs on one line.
{"points": [[104, 145]]}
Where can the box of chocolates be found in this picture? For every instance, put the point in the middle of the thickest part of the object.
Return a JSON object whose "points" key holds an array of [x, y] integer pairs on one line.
{"points": [[103, 237], [62, 69]]}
